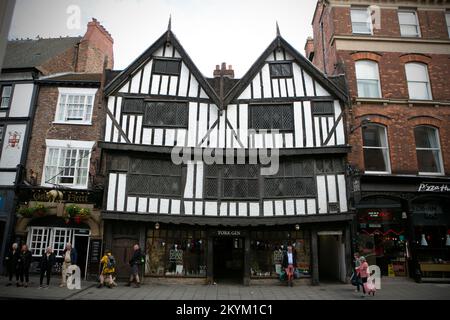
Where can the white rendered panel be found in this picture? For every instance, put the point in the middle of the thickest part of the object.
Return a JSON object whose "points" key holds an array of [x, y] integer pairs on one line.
{"points": [[135, 81], [142, 205], [279, 209], [131, 128], [198, 208], [124, 87], [164, 205], [124, 127], [146, 77], [242, 209], [193, 90], [188, 207], [266, 81], [283, 88], [158, 138], [246, 94], [210, 208], [170, 137], [243, 124], [342, 193], [298, 81], [254, 209], [192, 131], [111, 191], [199, 181], [155, 84], [173, 85], [181, 137], [202, 122], [189, 187], [331, 184], [290, 87], [298, 125], [153, 205], [21, 100], [290, 208], [184, 78], [308, 84], [289, 140], [131, 204], [340, 138], [164, 85], [308, 124], [221, 131], [330, 126], [223, 209], [311, 206], [175, 206], [122, 182], [321, 91], [275, 92], [138, 130], [108, 128], [257, 86], [268, 208], [278, 140], [317, 131], [147, 136], [300, 204], [232, 209], [322, 194], [324, 121]]}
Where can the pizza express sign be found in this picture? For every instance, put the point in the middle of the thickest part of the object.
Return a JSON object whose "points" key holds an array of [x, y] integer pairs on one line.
{"points": [[434, 187]]}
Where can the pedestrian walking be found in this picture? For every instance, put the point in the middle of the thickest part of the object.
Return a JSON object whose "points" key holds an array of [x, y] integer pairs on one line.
{"points": [[356, 279], [108, 265], [289, 264], [46, 265], [11, 264], [363, 273], [23, 264], [70, 257], [135, 262]]}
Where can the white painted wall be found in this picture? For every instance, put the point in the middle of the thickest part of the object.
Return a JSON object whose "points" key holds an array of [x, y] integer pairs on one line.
{"points": [[21, 100]]}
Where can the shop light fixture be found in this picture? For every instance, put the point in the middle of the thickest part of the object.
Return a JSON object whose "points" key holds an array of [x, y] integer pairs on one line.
{"points": [[157, 225], [297, 227]]}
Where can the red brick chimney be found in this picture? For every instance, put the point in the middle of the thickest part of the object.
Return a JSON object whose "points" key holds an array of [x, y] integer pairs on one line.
{"points": [[95, 48], [224, 72], [309, 48]]}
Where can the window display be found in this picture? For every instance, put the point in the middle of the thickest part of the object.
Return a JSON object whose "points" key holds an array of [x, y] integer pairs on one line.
{"points": [[267, 249], [176, 253]]}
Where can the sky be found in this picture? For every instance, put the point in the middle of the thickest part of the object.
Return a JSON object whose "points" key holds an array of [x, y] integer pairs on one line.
{"points": [[211, 31]]}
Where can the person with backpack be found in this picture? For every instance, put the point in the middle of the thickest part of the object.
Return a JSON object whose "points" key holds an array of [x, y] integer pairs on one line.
{"points": [[108, 265], [135, 262]]}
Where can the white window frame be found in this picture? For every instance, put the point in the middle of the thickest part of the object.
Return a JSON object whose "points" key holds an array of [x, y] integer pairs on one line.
{"points": [[368, 21], [388, 155], [71, 145], [39, 249], [375, 64], [430, 96], [68, 237], [2, 88], [66, 92], [441, 163], [414, 12], [447, 18]]}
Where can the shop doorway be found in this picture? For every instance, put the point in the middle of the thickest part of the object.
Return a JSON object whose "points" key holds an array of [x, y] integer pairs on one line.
{"points": [[122, 250], [228, 259], [331, 257], [81, 245]]}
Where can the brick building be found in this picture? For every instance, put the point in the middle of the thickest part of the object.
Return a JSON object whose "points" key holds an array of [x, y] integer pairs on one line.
{"points": [[61, 171], [396, 59]]}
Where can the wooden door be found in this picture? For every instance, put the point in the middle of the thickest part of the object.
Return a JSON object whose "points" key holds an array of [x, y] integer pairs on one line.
{"points": [[122, 250]]}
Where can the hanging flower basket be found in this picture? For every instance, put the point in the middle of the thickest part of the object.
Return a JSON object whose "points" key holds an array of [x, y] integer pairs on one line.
{"points": [[76, 213], [25, 212], [40, 210]]}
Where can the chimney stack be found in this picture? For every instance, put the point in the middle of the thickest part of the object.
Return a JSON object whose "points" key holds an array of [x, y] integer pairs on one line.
{"points": [[223, 71]]}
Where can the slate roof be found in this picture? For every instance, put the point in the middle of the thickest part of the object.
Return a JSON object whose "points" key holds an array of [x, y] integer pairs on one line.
{"points": [[22, 54]]}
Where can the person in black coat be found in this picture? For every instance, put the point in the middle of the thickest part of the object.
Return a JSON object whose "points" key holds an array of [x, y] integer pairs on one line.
{"points": [[135, 262], [46, 265], [290, 263], [11, 263], [23, 264]]}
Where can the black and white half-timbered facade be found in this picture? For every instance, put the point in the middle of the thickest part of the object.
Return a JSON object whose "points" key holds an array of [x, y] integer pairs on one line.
{"points": [[225, 218]]}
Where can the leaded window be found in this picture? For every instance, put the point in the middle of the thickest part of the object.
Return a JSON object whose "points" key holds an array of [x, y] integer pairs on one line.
{"points": [[67, 166], [429, 157], [322, 108], [154, 177], [167, 66], [281, 70], [6, 96], [236, 181], [271, 117], [166, 114], [295, 178]]}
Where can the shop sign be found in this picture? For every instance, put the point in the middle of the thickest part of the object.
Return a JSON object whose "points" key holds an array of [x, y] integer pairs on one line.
{"points": [[61, 196], [375, 215], [434, 187], [228, 233]]}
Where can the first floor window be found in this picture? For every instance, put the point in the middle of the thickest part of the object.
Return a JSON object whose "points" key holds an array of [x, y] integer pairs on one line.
{"points": [[368, 79], [428, 150], [5, 96], [376, 150], [75, 107], [67, 166]]}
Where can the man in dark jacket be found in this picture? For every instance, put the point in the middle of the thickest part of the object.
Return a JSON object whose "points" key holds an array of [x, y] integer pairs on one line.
{"points": [[23, 264], [135, 262], [290, 263], [11, 264], [46, 265]]}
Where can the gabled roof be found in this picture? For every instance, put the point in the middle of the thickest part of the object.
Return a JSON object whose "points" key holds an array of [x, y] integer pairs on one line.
{"points": [[298, 58], [168, 36], [23, 54]]}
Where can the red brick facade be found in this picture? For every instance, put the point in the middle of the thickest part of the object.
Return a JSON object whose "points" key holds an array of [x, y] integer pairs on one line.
{"points": [[393, 109]]}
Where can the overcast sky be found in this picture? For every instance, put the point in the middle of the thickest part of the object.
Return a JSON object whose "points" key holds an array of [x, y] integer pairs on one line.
{"points": [[211, 31]]}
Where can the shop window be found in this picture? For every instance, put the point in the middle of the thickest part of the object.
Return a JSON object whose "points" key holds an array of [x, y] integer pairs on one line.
{"points": [[166, 114], [271, 117], [428, 150], [267, 249], [154, 177], [376, 150], [176, 253], [38, 241], [5, 96], [418, 81], [39, 238], [409, 25], [281, 70], [361, 20], [368, 79], [60, 237], [167, 66]]}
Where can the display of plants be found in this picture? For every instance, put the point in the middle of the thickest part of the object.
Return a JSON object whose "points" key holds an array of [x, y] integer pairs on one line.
{"points": [[37, 211], [76, 213]]}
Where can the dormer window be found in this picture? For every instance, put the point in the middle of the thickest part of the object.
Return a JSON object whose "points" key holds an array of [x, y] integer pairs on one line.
{"points": [[170, 67], [281, 70]]}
